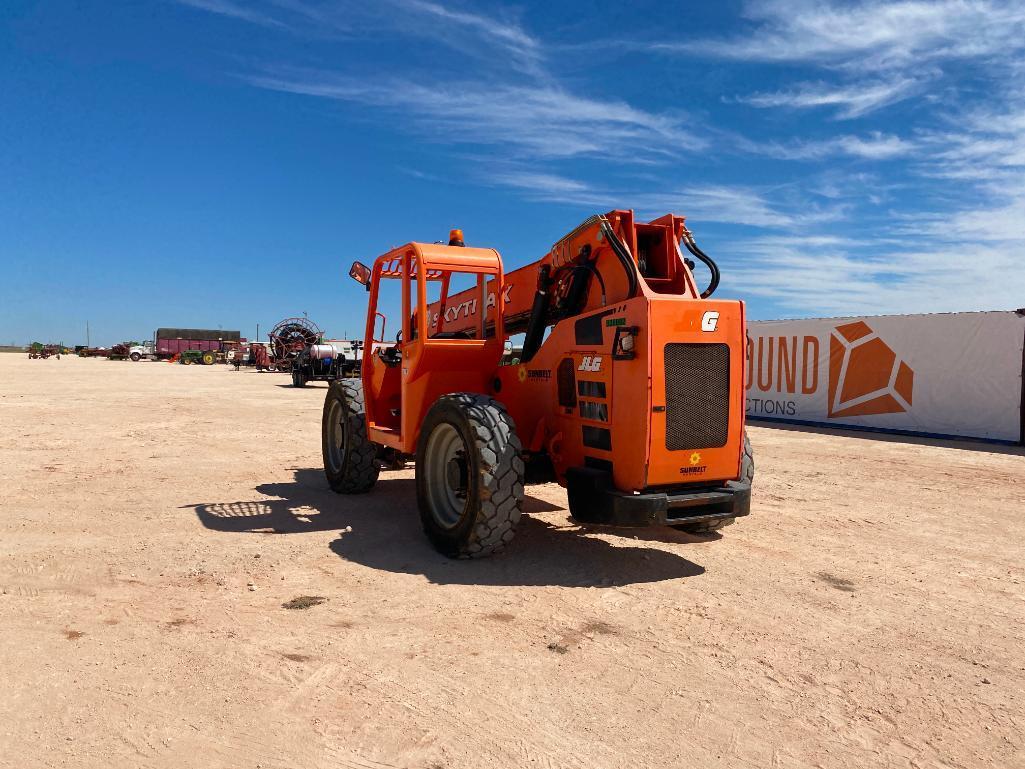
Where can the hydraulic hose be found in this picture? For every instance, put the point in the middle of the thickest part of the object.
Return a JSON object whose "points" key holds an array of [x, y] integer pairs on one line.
{"points": [[713, 283], [536, 325], [618, 247], [601, 281], [622, 253], [539, 310], [572, 301]]}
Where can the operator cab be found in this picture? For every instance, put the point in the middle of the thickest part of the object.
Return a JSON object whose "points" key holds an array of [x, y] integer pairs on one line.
{"points": [[453, 342]]}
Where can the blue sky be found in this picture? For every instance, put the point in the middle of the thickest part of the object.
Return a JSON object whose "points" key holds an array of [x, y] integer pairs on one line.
{"points": [[220, 163]]}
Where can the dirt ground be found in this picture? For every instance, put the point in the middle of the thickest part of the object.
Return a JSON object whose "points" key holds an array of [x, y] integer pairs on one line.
{"points": [[155, 518]]}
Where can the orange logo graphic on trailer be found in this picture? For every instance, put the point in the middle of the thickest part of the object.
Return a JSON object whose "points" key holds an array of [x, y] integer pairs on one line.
{"points": [[865, 375]]}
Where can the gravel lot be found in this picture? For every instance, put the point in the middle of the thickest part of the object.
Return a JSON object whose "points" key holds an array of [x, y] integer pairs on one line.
{"points": [[156, 518]]}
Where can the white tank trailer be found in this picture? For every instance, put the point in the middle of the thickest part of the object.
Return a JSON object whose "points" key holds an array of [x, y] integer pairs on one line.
{"points": [[327, 360]]}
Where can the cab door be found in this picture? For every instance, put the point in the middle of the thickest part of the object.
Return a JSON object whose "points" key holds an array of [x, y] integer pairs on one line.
{"points": [[388, 314]]}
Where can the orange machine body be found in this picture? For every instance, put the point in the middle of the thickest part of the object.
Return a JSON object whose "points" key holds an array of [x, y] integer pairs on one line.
{"points": [[666, 412]]}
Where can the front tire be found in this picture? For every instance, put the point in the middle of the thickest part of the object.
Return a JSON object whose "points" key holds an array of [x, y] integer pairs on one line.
{"points": [[350, 457], [298, 380], [135, 357], [469, 476]]}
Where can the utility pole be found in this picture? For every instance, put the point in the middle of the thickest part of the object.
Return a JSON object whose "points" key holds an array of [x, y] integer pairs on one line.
{"points": [[87, 344], [257, 332]]}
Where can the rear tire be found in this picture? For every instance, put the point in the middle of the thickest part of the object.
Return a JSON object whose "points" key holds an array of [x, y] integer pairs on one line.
{"points": [[747, 475], [350, 457], [208, 358], [469, 476]]}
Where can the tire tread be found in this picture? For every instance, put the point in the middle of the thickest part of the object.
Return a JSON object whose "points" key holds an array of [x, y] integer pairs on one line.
{"points": [[362, 468], [499, 453]]}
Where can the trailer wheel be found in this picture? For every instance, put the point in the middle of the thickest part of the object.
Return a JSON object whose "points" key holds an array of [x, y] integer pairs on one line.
{"points": [[747, 473], [350, 457], [469, 476], [135, 357]]}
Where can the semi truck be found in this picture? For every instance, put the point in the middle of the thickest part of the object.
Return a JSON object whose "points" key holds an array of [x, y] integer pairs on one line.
{"points": [[139, 351]]}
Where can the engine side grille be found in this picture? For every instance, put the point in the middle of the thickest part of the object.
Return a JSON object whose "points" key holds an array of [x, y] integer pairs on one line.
{"points": [[697, 395]]}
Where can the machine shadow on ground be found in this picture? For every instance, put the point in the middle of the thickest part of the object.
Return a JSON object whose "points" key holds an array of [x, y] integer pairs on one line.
{"points": [[386, 534]]}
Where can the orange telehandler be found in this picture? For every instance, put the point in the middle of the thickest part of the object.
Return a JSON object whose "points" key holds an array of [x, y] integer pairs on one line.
{"points": [[626, 384]]}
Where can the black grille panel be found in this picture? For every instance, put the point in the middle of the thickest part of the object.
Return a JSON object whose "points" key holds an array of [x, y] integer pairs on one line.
{"points": [[697, 396], [567, 381]]}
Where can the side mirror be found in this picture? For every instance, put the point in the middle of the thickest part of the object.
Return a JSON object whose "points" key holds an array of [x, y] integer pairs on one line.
{"points": [[360, 273]]}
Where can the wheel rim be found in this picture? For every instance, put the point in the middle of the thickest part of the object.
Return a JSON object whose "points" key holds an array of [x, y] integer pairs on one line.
{"points": [[447, 475], [336, 437]]}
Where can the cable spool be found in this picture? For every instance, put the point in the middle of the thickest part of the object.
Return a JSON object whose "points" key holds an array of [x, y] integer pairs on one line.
{"points": [[289, 338]]}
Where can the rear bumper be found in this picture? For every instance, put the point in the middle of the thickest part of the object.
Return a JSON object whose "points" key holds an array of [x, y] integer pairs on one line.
{"points": [[593, 499]]}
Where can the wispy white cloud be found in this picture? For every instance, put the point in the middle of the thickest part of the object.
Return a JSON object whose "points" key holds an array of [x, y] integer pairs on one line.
{"points": [[843, 183], [816, 278], [991, 224], [852, 101], [544, 120], [469, 32], [872, 34], [546, 185], [716, 203], [790, 246], [873, 146], [963, 253], [736, 204], [984, 147], [913, 258], [508, 34], [242, 11]]}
